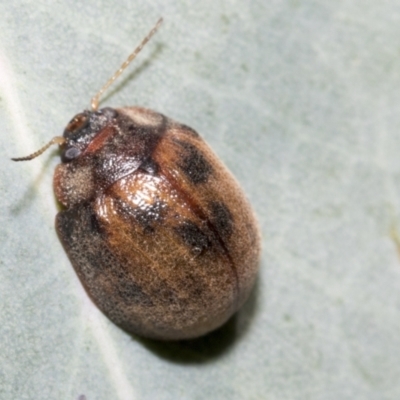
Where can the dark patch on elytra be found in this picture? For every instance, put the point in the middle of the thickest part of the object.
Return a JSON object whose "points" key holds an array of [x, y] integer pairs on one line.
{"points": [[131, 293], [95, 224], [81, 235], [78, 219], [193, 237], [193, 285], [65, 223], [221, 218], [164, 294], [194, 164], [148, 215]]}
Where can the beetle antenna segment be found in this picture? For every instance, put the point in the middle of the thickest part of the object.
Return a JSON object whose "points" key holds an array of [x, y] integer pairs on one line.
{"points": [[96, 98], [56, 140]]}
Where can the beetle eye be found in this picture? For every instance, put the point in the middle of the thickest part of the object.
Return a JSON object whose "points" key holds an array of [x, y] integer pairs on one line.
{"points": [[71, 153], [77, 123]]}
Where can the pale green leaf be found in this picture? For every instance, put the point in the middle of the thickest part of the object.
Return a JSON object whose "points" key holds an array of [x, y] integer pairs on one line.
{"points": [[301, 99]]}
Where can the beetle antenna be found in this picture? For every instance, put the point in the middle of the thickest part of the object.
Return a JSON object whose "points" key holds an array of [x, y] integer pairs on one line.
{"points": [[56, 140], [96, 98]]}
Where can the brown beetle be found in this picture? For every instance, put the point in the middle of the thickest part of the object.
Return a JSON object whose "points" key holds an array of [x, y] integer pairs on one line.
{"points": [[157, 229]]}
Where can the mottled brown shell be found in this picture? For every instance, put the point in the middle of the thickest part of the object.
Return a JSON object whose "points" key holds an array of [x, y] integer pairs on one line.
{"points": [[158, 231]]}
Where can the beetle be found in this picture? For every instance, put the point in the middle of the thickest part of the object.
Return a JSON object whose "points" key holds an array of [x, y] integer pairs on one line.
{"points": [[157, 229]]}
